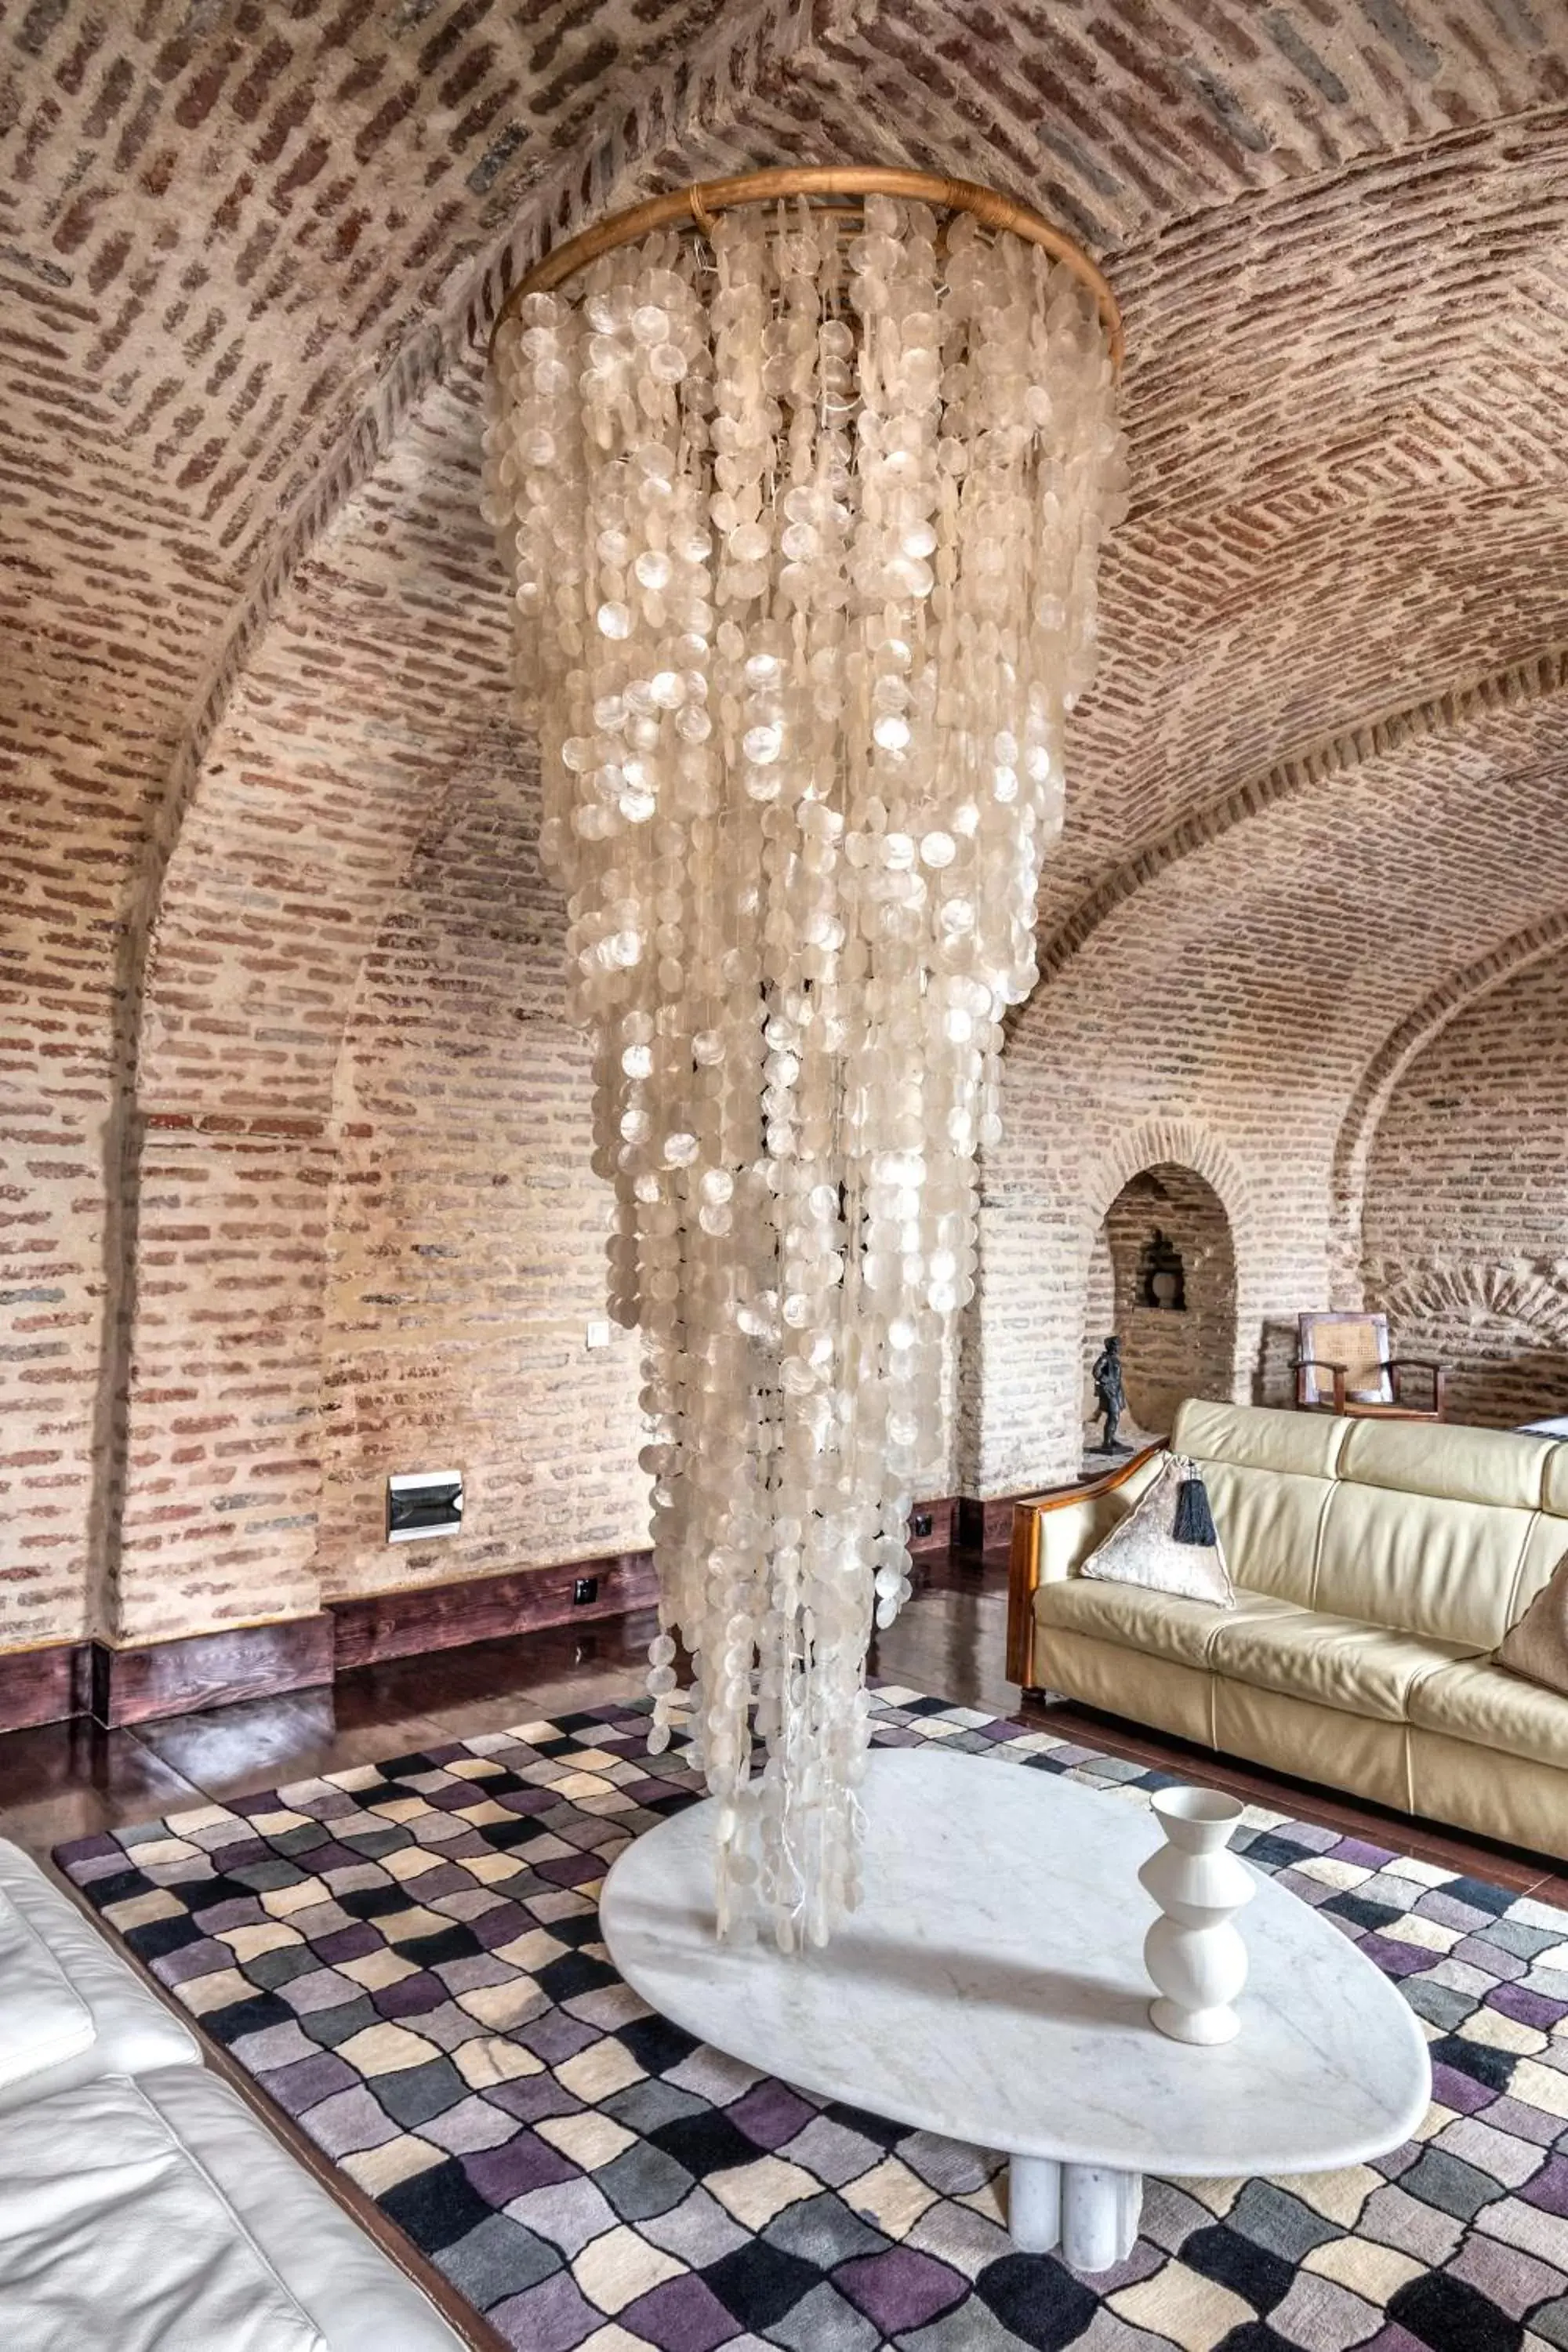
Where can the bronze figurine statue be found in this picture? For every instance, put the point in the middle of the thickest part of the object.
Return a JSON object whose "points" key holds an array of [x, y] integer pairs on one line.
{"points": [[1110, 1396]]}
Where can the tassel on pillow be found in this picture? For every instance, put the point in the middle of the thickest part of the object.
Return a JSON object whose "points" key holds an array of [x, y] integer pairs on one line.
{"points": [[1167, 1542], [1194, 1522]]}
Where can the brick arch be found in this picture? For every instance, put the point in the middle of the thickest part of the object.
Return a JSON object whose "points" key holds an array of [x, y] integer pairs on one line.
{"points": [[1018, 1421], [320, 755], [1186, 1143], [331, 759], [221, 1109], [1375, 1089], [1533, 1296]]}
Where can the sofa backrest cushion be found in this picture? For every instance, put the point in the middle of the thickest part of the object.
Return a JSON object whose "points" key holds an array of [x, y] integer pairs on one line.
{"points": [[1432, 1528], [1255, 1437], [1440, 1459], [1269, 1476], [1548, 1536], [1421, 1563], [1429, 1527]]}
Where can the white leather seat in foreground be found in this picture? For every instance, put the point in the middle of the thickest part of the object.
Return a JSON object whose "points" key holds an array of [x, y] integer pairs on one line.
{"points": [[144, 2207], [154, 2214], [71, 2008]]}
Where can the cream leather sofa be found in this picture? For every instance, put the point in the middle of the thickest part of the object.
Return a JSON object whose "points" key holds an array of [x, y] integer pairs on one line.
{"points": [[1377, 1565], [144, 2207]]}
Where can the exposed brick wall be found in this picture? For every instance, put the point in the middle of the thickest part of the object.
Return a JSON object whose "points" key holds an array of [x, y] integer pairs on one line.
{"points": [[1220, 1011], [467, 1238], [1467, 1206], [354, 926], [223, 1436], [254, 673]]}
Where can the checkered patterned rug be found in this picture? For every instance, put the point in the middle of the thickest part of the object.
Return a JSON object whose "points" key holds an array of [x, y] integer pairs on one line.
{"points": [[406, 1957]]}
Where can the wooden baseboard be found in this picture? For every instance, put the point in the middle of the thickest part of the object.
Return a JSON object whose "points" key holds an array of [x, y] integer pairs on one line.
{"points": [[403, 1624], [140, 1684], [144, 1681], [44, 1686], [938, 1536], [986, 1525]]}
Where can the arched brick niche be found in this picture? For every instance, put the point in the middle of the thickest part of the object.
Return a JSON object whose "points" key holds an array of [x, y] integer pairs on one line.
{"points": [[1162, 1273], [1466, 1218], [1051, 1236]]}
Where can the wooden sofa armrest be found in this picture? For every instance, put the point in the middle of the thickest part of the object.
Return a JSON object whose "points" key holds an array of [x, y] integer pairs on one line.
{"points": [[1025, 1562]]}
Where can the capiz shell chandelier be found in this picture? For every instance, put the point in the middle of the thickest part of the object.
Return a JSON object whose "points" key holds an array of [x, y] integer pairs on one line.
{"points": [[802, 481]]}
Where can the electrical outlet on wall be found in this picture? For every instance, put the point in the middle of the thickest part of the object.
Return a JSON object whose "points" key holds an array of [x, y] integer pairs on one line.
{"points": [[599, 1332]]}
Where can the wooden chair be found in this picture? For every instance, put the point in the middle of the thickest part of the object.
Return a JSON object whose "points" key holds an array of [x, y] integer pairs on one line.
{"points": [[1345, 1367]]}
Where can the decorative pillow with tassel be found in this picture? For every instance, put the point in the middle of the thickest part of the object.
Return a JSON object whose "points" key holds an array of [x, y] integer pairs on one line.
{"points": [[1537, 1647], [1168, 1542]]}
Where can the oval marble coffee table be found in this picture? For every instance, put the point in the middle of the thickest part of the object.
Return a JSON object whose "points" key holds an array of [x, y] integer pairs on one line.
{"points": [[992, 1988]]}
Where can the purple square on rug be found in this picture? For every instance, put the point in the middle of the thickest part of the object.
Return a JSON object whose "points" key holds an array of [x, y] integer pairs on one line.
{"points": [[557, 2036], [499, 2174], [533, 2098], [192, 1960], [504, 1924], [1548, 2190], [681, 2314], [1529, 2008], [308, 2082], [1452, 2088], [526, 1802], [901, 2289], [1395, 1959], [411, 1996], [220, 1919], [770, 2113]]}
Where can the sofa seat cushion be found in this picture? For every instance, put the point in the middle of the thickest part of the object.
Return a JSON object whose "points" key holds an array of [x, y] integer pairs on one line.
{"points": [[108, 2022], [1486, 1703], [1161, 1624], [1337, 1662], [156, 2214]]}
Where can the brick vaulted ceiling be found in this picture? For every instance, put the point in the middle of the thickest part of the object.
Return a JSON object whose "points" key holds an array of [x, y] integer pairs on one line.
{"points": [[236, 234], [240, 241]]}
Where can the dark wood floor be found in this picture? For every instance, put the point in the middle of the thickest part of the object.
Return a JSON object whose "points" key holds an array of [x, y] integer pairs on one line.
{"points": [[70, 1780]]}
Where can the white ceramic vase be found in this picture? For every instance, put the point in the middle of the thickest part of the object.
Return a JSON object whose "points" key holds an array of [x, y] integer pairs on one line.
{"points": [[1193, 1951]]}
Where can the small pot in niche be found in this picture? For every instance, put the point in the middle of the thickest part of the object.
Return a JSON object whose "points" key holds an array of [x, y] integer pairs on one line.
{"points": [[1194, 1950]]}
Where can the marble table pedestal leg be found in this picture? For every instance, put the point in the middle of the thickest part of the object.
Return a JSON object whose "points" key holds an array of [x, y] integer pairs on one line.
{"points": [[1087, 2211]]}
